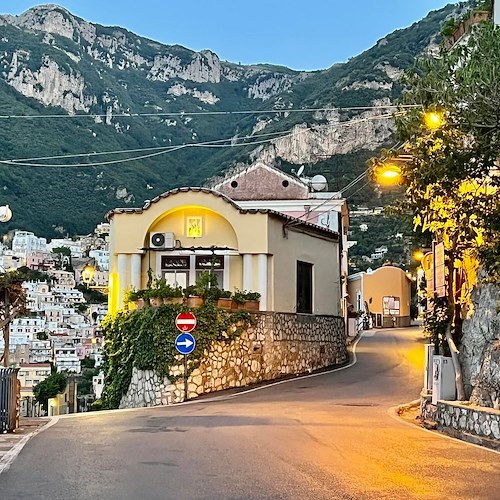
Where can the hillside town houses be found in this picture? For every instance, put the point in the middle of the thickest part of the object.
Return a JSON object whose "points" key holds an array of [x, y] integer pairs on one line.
{"points": [[60, 328]]}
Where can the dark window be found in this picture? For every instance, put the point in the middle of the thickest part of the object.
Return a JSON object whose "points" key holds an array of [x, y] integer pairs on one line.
{"points": [[285, 183], [210, 262], [234, 184], [304, 287], [174, 262]]}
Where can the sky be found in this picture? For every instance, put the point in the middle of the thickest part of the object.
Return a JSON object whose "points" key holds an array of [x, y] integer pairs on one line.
{"points": [[302, 35]]}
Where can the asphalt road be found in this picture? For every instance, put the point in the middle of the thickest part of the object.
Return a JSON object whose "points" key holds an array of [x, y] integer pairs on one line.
{"points": [[323, 437]]}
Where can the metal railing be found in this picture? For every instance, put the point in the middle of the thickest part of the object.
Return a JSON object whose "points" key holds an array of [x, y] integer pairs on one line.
{"points": [[10, 392]]}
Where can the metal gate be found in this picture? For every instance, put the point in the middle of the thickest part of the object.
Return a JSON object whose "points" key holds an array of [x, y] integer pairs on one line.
{"points": [[9, 399]]}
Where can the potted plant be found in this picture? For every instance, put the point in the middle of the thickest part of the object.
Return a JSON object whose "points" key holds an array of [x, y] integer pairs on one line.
{"points": [[173, 295], [246, 300], [157, 292], [135, 297], [204, 289], [224, 300], [192, 298]]}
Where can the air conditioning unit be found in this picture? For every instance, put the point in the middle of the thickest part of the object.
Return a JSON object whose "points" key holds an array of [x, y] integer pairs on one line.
{"points": [[162, 240]]}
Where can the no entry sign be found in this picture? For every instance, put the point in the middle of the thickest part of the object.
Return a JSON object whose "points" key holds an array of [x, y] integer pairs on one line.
{"points": [[185, 322]]}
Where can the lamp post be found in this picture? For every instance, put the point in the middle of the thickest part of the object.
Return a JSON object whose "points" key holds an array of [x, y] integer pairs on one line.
{"points": [[5, 213], [5, 216]]}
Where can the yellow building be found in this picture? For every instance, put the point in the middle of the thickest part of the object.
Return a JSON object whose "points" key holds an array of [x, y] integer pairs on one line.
{"points": [[292, 263], [384, 294]]}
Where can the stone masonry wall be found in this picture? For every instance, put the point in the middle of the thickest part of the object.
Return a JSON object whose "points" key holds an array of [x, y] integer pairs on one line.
{"points": [[277, 345], [464, 421]]}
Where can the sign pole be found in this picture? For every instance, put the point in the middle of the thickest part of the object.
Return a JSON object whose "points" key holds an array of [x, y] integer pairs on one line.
{"points": [[185, 343], [185, 377]]}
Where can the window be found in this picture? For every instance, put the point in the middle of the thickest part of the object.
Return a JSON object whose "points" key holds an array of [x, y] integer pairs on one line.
{"points": [[304, 287], [175, 270], [214, 263]]}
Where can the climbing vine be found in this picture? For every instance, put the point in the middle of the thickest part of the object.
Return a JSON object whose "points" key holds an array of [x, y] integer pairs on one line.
{"points": [[436, 319], [145, 338]]}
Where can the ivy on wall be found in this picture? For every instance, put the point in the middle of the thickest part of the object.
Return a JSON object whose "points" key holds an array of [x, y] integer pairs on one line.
{"points": [[145, 339]]}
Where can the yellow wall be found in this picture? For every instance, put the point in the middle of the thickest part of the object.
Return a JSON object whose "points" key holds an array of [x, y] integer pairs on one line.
{"points": [[386, 281]]}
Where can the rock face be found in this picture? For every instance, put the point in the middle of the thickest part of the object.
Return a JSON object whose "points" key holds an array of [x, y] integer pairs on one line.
{"points": [[277, 345], [480, 347]]}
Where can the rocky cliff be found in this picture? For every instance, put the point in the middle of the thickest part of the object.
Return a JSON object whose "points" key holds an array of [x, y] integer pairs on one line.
{"points": [[126, 92]]}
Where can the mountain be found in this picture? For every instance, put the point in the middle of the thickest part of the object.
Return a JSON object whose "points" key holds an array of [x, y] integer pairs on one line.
{"points": [[70, 87]]}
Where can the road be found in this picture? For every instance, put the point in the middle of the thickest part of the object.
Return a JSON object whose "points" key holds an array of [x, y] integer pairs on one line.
{"points": [[323, 437]]}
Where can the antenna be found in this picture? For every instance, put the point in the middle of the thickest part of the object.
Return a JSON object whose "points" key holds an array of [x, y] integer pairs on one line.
{"points": [[319, 183]]}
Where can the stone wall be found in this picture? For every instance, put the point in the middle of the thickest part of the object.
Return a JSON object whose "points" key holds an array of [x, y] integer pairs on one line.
{"points": [[464, 421], [277, 345]]}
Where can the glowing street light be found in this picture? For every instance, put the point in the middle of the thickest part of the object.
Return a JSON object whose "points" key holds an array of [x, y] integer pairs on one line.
{"points": [[433, 120], [418, 255], [5, 213], [388, 174], [88, 274]]}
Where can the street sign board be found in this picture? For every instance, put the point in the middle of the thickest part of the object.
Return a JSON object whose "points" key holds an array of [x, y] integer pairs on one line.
{"points": [[185, 343], [185, 322]]}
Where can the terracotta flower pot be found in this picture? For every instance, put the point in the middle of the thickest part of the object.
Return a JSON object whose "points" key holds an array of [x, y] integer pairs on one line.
{"points": [[224, 303], [173, 300], [251, 305], [156, 301], [139, 304], [195, 301]]}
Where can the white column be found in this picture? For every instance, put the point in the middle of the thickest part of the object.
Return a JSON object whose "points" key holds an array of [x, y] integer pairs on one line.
{"points": [[225, 274], [262, 280], [135, 270], [122, 276], [247, 272]]}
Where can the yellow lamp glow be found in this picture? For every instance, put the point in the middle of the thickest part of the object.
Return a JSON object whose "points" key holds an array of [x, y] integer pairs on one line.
{"points": [[389, 174], [418, 255], [88, 274], [433, 120]]}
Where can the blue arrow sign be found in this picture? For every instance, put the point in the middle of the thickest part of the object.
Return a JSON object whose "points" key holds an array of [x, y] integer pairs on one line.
{"points": [[185, 343]]}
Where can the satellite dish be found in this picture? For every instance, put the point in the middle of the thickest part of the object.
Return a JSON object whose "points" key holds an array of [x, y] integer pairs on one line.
{"points": [[5, 213], [299, 172], [319, 183]]}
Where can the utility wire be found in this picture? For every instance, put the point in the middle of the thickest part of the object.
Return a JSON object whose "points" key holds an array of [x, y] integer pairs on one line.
{"points": [[208, 144], [209, 113]]}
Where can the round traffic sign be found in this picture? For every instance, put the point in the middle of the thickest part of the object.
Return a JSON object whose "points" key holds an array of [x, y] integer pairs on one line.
{"points": [[185, 343], [185, 322]]}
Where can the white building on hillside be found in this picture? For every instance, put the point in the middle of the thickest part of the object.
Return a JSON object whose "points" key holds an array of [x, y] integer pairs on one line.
{"points": [[25, 243], [40, 351], [24, 330], [64, 279], [74, 246], [101, 258], [66, 359]]}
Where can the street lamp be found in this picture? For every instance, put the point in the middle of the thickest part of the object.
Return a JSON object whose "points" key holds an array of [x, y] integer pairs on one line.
{"points": [[5, 213], [388, 174], [88, 274], [433, 120]]}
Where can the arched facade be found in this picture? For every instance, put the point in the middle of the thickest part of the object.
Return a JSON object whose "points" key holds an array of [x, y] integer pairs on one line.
{"points": [[255, 250]]}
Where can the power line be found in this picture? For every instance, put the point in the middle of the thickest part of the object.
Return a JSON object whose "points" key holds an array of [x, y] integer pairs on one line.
{"points": [[161, 151], [210, 113]]}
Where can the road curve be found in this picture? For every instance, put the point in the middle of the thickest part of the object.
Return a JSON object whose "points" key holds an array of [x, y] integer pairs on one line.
{"points": [[323, 437]]}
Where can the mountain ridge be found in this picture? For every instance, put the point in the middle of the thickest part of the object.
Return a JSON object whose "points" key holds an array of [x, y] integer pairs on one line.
{"points": [[54, 63]]}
